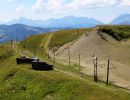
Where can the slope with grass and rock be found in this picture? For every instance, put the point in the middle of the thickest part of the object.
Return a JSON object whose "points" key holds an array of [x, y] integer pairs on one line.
{"points": [[23, 83], [105, 42], [112, 44]]}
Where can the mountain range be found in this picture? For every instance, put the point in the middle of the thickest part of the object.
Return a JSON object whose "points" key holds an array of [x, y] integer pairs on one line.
{"points": [[69, 21], [19, 31], [23, 27], [123, 19]]}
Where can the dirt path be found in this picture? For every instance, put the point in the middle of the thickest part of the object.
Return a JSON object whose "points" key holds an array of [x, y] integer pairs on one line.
{"points": [[47, 43], [71, 74]]}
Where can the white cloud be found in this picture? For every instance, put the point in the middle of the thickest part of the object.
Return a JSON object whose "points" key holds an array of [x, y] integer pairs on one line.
{"points": [[20, 10], [81, 4], [38, 6], [54, 4], [128, 3], [125, 3], [60, 6], [10, 0]]}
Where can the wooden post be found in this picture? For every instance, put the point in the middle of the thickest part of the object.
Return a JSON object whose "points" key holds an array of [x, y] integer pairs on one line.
{"points": [[11, 43], [94, 66], [107, 82], [22, 47], [54, 59], [77, 33], [48, 54], [41, 51], [95, 70], [34, 50], [96, 76], [79, 62], [69, 55]]}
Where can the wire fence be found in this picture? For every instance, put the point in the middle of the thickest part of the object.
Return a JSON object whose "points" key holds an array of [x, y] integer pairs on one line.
{"points": [[102, 71]]}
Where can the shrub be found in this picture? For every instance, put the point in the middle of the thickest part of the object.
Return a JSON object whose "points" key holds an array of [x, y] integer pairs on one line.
{"points": [[118, 32]]}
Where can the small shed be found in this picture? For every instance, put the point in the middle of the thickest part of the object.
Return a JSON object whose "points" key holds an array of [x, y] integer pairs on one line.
{"points": [[25, 60], [39, 65]]}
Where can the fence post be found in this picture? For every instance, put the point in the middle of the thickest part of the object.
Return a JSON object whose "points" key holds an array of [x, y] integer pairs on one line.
{"points": [[94, 66], [48, 54], [54, 59], [69, 55], [11, 43], [42, 52], [96, 78], [22, 47], [79, 62], [108, 72], [95, 70], [77, 33], [34, 51]]}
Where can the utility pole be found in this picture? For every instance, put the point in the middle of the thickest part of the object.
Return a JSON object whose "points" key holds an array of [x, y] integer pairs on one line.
{"points": [[107, 82]]}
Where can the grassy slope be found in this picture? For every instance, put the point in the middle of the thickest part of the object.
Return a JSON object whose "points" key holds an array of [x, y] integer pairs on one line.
{"points": [[59, 38], [118, 32], [56, 39], [20, 82], [5, 52], [33, 42], [38, 42]]}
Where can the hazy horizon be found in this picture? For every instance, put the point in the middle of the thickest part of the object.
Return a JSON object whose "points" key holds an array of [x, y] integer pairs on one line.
{"points": [[101, 10]]}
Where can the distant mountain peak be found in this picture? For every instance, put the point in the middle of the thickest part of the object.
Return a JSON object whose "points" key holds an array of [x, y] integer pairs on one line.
{"points": [[68, 21], [19, 31], [123, 19], [124, 15]]}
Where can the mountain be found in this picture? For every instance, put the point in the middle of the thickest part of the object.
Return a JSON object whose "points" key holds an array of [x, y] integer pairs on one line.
{"points": [[69, 21], [22, 20], [123, 19], [19, 31]]}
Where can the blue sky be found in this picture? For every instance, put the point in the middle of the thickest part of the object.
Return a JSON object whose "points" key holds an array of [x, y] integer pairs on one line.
{"points": [[103, 10]]}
